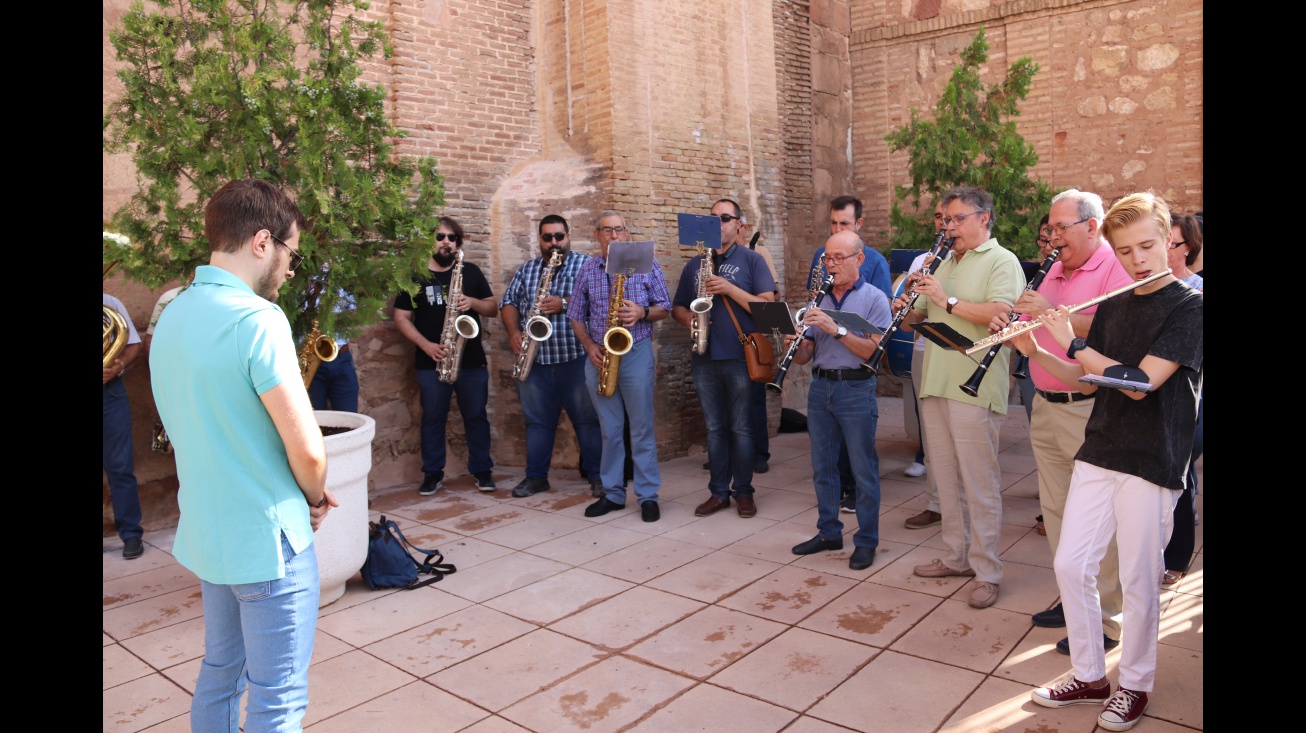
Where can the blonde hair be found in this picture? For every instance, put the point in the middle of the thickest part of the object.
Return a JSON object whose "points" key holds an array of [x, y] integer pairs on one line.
{"points": [[1136, 207]]}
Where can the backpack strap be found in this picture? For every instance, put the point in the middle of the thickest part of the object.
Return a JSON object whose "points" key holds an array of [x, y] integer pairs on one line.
{"points": [[432, 564]]}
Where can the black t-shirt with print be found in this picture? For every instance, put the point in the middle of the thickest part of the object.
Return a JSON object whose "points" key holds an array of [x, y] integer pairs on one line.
{"points": [[428, 312], [1151, 438]]}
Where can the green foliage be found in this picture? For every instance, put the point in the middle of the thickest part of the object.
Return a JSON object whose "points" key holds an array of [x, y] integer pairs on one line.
{"points": [[222, 89], [972, 141]]}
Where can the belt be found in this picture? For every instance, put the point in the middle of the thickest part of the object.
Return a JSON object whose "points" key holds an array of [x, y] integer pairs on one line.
{"points": [[841, 374], [343, 349], [1063, 397]]}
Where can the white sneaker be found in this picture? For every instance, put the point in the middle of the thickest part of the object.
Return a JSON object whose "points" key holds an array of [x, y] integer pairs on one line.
{"points": [[915, 470]]}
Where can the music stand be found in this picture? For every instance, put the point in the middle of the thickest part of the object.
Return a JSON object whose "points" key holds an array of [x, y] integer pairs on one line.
{"points": [[697, 230], [630, 258], [853, 322], [773, 317], [944, 335]]}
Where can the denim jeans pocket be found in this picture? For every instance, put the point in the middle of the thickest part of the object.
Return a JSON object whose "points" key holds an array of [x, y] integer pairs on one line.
{"points": [[116, 388], [252, 591]]}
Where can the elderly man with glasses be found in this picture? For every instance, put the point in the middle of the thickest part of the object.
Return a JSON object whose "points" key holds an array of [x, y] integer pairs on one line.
{"points": [[977, 282], [1085, 268]]}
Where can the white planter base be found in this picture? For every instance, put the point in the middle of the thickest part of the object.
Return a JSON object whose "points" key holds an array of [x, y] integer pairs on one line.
{"points": [[341, 541]]}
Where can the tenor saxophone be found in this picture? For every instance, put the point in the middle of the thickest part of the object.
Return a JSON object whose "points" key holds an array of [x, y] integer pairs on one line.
{"points": [[701, 305], [457, 328], [538, 328], [317, 349], [616, 340]]}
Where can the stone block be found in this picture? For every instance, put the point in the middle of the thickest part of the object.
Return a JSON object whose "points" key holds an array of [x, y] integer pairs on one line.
{"points": [[1159, 56], [1163, 98], [1110, 60]]}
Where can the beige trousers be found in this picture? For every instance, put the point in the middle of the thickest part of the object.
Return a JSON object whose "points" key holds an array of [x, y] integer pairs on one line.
{"points": [[962, 456]]}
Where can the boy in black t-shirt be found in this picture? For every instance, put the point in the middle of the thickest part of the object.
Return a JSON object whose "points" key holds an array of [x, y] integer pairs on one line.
{"points": [[1134, 461]]}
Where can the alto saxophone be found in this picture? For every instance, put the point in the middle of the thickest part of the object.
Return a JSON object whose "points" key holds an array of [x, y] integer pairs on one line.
{"points": [[457, 328], [616, 340], [538, 328], [317, 349], [701, 305]]}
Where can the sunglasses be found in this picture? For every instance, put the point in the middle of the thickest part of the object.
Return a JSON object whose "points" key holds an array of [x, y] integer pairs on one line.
{"points": [[553, 237], [727, 218], [296, 259], [441, 236]]}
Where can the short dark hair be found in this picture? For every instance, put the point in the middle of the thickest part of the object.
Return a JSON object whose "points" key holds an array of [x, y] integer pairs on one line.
{"points": [[738, 211], [554, 219], [1192, 232], [844, 202], [452, 223], [242, 207], [977, 198]]}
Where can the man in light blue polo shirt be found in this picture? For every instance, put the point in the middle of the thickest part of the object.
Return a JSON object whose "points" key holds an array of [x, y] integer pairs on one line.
{"points": [[251, 462]]}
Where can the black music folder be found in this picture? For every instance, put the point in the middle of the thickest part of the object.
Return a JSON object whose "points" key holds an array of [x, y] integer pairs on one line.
{"points": [[772, 316], [853, 322], [631, 258], [1120, 376], [696, 229], [944, 335]]}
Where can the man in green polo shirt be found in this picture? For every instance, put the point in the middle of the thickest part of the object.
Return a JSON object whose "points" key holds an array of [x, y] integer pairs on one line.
{"points": [[251, 462]]}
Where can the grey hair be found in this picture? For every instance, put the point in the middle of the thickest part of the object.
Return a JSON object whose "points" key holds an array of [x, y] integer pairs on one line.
{"points": [[1087, 205], [977, 198], [605, 214]]}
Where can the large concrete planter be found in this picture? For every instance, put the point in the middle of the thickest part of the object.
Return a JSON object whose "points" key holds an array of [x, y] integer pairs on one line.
{"points": [[342, 539]]}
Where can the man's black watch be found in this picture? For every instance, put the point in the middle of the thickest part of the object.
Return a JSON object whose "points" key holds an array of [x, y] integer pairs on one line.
{"points": [[1075, 346]]}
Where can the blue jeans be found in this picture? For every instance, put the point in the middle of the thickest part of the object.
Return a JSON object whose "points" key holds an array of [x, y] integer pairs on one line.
{"points": [[335, 382], [634, 395], [473, 389], [727, 399], [550, 389], [761, 438], [260, 634], [845, 414], [119, 465]]}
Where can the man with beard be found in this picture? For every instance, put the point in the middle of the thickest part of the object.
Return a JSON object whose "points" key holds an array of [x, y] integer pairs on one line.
{"points": [[251, 462], [421, 320], [556, 380]]}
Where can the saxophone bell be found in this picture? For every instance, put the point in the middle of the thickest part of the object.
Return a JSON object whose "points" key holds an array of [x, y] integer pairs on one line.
{"points": [[539, 328], [466, 327], [700, 305], [617, 341]]}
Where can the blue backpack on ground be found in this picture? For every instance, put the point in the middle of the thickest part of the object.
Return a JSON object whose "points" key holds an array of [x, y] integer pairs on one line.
{"points": [[389, 564]]}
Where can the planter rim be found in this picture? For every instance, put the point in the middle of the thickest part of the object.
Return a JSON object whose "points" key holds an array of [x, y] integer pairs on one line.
{"points": [[338, 419]]}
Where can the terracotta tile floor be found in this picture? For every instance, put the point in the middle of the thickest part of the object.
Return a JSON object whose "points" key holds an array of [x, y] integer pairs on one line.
{"points": [[555, 622]]}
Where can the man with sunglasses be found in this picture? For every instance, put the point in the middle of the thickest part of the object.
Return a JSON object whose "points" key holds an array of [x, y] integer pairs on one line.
{"points": [[1085, 268], [739, 279], [846, 216], [557, 378], [979, 280], [251, 462], [421, 320]]}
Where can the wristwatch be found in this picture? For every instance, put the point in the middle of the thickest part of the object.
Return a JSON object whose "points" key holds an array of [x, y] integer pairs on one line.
{"points": [[1075, 346], [951, 302], [564, 304], [840, 333]]}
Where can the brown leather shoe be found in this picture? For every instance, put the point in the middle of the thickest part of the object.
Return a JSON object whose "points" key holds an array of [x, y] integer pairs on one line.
{"points": [[712, 505], [746, 506]]}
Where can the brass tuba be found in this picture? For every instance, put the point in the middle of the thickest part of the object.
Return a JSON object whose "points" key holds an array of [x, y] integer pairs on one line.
{"points": [[317, 349], [457, 327], [116, 333], [616, 340], [701, 305], [538, 328]]}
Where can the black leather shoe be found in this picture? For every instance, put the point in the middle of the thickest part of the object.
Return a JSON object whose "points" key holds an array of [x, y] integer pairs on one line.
{"points": [[531, 486], [1063, 646], [1053, 618], [601, 507], [132, 548], [649, 511], [706, 466], [862, 558], [761, 467], [818, 544]]}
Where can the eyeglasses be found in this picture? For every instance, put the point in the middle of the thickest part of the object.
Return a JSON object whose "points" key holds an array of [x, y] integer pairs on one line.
{"points": [[948, 221], [1044, 241], [441, 236], [552, 237], [1176, 244], [1061, 228], [727, 218], [612, 230], [295, 258], [837, 259]]}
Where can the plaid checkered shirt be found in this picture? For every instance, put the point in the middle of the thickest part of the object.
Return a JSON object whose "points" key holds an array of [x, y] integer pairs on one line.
{"points": [[562, 346], [590, 299]]}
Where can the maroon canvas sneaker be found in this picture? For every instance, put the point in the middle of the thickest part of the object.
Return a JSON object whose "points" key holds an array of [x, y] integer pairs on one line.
{"points": [[1070, 692], [1123, 710]]}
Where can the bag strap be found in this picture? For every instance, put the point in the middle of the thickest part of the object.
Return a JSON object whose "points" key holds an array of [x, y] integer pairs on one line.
{"points": [[742, 338], [432, 564]]}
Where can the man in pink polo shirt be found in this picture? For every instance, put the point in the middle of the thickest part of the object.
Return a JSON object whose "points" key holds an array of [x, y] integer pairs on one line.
{"points": [[1085, 269]]}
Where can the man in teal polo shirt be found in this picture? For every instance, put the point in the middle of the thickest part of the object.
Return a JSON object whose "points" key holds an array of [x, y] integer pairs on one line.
{"points": [[251, 462]]}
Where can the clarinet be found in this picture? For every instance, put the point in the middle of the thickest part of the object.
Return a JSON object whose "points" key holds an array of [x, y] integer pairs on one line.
{"points": [[971, 387], [938, 250], [777, 385]]}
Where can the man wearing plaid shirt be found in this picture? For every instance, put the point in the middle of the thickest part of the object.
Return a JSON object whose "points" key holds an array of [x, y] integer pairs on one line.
{"points": [[557, 377], [646, 300]]}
